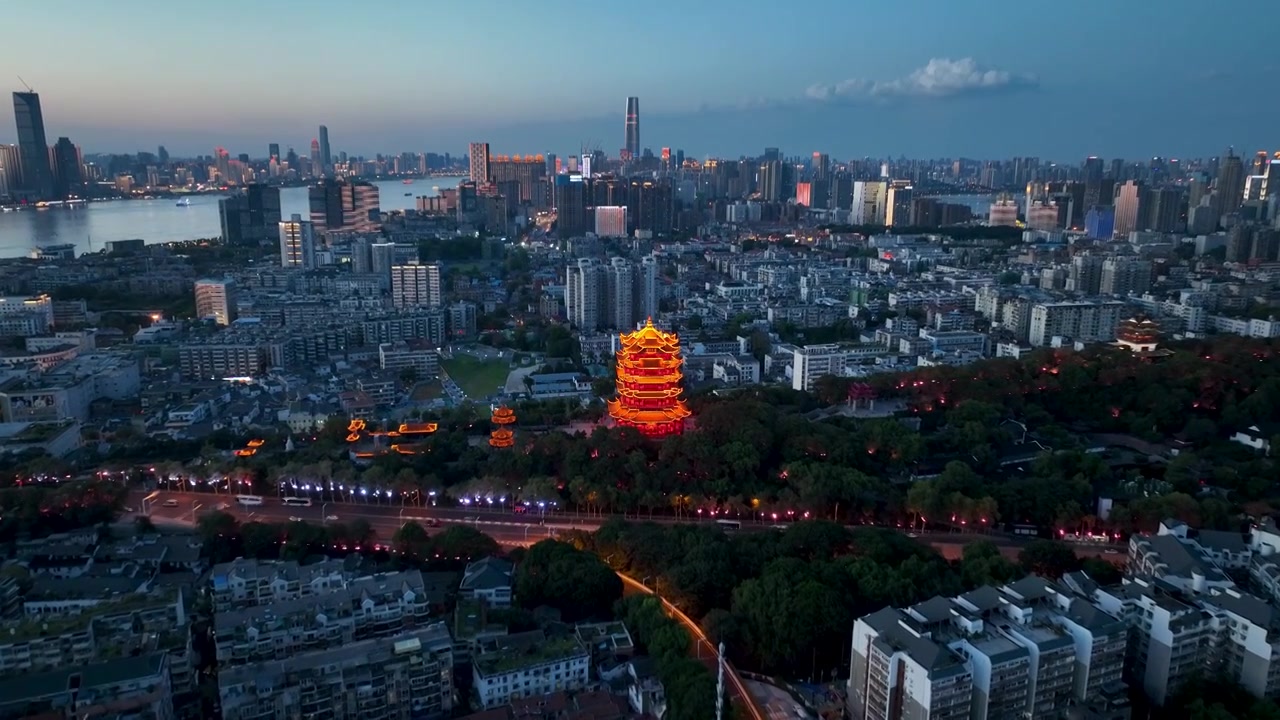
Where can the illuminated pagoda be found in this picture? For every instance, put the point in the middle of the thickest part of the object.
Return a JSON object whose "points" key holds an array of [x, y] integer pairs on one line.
{"points": [[650, 383], [1138, 334], [501, 435]]}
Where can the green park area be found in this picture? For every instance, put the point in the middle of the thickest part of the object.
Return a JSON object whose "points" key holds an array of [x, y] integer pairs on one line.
{"points": [[478, 378]]}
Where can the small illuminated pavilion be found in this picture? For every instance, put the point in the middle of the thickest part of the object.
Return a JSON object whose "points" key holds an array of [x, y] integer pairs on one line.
{"points": [[501, 436], [650, 382]]}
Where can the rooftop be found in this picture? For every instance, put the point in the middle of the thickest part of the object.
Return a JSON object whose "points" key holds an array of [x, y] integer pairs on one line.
{"points": [[513, 652]]}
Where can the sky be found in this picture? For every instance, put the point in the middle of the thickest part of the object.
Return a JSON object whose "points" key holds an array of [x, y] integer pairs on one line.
{"points": [[716, 78]]}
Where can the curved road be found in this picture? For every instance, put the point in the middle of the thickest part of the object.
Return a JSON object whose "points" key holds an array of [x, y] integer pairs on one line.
{"points": [[700, 639]]}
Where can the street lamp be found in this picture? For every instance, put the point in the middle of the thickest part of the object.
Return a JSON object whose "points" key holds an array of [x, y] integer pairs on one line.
{"points": [[324, 513]]}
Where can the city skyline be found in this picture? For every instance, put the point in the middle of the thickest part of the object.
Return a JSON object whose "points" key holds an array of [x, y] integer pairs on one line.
{"points": [[962, 84]]}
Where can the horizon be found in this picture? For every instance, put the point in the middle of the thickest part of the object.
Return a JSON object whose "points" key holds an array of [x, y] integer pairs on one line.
{"points": [[961, 84]]}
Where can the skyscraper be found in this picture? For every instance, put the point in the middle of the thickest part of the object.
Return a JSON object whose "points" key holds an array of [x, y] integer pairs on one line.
{"points": [[297, 244], [479, 163], [1230, 186], [326, 160], [1093, 173], [317, 164], [10, 164], [251, 216], [632, 129], [571, 206], [344, 206], [1127, 200], [273, 151], [35, 175], [898, 204], [67, 177]]}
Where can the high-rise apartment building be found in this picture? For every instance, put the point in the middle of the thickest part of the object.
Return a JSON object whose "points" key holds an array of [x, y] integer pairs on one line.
{"points": [[770, 180], [1092, 175], [250, 216], [650, 207], [326, 159], [1027, 649], [414, 286], [1078, 321], [35, 174], [614, 296], [611, 221], [10, 170], [216, 299], [340, 206], [297, 243], [1128, 199], [1125, 276], [584, 285], [528, 171], [631, 130], [479, 163]]}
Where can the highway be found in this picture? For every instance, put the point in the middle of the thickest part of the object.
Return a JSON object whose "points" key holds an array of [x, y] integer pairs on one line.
{"points": [[503, 525]]}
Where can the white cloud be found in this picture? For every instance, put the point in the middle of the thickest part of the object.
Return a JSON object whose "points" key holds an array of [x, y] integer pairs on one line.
{"points": [[941, 77]]}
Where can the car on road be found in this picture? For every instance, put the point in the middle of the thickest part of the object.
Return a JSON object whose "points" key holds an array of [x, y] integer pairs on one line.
{"points": [[1111, 551], [432, 522], [330, 518], [294, 518], [128, 509], [223, 506], [171, 503]]}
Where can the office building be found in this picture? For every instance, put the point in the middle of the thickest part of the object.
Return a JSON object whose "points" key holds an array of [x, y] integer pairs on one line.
{"points": [[868, 205], [1078, 321], [342, 206], [68, 178], [1093, 177], [216, 299], [479, 163], [571, 206], [1229, 187], [1100, 222], [526, 171], [326, 159], [1127, 202], [650, 208], [35, 174], [898, 204], [273, 152], [611, 221], [631, 130], [462, 320], [414, 286], [1125, 276], [297, 244], [251, 216]]}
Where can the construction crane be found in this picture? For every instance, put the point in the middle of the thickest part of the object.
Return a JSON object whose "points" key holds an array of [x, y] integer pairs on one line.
{"points": [[24, 84]]}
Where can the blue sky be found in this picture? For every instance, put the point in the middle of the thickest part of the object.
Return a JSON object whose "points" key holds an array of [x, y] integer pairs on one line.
{"points": [[973, 78]]}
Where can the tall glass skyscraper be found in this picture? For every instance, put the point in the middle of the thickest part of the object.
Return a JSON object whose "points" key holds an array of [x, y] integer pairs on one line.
{"points": [[36, 176], [632, 128], [326, 158]]}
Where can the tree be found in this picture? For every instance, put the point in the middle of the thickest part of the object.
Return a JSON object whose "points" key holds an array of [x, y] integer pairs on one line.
{"points": [[576, 583], [143, 525], [1048, 558], [412, 539], [464, 543], [983, 564]]}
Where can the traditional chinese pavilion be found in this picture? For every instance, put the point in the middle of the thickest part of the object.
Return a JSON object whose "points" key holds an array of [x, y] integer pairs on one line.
{"points": [[501, 436], [649, 383]]}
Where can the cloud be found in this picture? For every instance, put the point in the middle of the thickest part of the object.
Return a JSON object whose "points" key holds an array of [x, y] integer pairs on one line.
{"points": [[941, 77]]}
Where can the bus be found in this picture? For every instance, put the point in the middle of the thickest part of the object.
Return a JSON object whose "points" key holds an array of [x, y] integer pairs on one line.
{"points": [[296, 501], [249, 499], [730, 524]]}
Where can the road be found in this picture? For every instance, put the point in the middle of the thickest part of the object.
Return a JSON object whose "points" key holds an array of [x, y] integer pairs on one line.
{"points": [[504, 525], [706, 651]]}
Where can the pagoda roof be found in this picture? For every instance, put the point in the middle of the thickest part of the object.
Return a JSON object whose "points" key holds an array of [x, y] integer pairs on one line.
{"points": [[650, 337]]}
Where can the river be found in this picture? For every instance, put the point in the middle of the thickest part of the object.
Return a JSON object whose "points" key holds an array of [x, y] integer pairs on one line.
{"points": [[89, 226]]}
